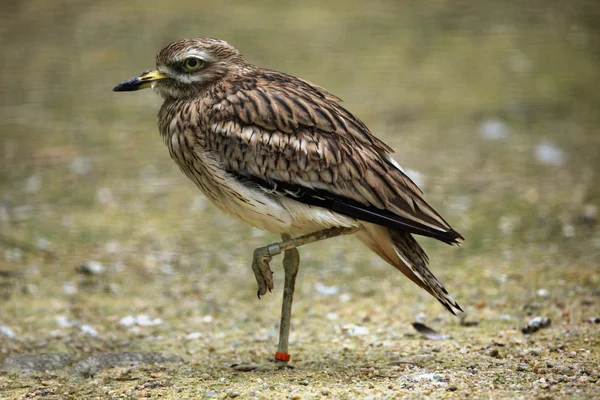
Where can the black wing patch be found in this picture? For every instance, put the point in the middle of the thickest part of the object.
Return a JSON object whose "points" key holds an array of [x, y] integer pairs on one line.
{"points": [[348, 207]]}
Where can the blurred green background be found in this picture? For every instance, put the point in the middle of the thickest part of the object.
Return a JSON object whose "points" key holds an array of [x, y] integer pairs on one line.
{"points": [[492, 106]]}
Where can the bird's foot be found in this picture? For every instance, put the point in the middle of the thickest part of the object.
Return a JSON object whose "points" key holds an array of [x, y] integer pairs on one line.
{"points": [[271, 365], [262, 270]]}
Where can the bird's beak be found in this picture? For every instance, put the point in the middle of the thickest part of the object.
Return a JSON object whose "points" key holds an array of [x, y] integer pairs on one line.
{"points": [[140, 82]]}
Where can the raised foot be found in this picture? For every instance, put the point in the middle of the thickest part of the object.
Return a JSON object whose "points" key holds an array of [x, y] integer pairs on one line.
{"points": [[262, 270]]}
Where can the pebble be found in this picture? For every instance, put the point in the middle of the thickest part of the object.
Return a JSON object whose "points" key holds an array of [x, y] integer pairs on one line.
{"points": [[210, 394], [543, 293], [81, 165], [355, 330], [233, 394], [493, 129], [6, 331], [33, 184], [88, 330], [326, 290], [550, 154], [536, 324], [325, 392], [90, 268], [69, 288], [495, 353], [193, 335], [139, 320]]}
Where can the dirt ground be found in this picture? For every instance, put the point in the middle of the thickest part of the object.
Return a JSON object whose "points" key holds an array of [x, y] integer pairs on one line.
{"points": [[119, 280]]}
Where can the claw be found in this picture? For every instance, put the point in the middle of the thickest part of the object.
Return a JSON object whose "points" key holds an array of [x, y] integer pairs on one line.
{"points": [[262, 270]]}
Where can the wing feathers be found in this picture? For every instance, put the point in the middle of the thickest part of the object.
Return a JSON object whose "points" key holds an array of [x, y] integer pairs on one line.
{"points": [[286, 134]]}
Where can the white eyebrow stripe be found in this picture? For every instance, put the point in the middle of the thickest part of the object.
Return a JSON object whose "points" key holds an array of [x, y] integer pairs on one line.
{"points": [[195, 53]]}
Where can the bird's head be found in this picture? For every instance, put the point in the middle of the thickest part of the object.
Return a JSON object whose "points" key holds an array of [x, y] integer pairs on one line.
{"points": [[187, 67]]}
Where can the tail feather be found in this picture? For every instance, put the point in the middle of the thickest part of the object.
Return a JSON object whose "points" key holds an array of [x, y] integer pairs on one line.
{"points": [[401, 250]]}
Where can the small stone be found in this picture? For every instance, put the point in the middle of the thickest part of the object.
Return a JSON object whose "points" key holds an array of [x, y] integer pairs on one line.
{"points": [[139, 320], [543, 293], [550, 154], [295, 396], [6, 331], [233, 394], [452, 388], [493, 129], [33, 184], [325, 392], [355, 330], [495, 353], [210, 394], [536, 324], [193, 335], [81, 165], [88, 330], [90, 268], [304, 382], [69, 288], [326, 290]]}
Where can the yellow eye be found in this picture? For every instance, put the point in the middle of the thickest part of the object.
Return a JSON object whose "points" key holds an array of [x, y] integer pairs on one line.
{"points": [[192, 64]]}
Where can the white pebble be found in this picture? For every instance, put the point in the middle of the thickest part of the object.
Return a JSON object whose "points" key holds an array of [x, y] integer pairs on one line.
{"points": [[6, 331], [139, 320], [81, 165], [345, 297], [105, 196], [42, 243], [493, 129], [332, 316], [543, 293], [33, 184], [193, 335], [549, 154], [326, 290], [69, 288], [64, 322], [355, 330], [88, 330]]}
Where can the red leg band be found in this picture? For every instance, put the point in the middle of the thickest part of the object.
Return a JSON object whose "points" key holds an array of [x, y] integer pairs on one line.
{"points": [[282, 356]]}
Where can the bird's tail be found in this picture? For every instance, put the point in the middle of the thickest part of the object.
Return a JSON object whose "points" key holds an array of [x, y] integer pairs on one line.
{"points": [[401, 250]]}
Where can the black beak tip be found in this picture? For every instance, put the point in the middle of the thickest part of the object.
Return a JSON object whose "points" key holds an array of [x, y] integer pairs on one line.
{"points": [[129, 85]]}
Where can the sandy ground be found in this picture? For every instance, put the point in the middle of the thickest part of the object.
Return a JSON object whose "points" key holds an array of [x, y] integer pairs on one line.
{"points": [[118, 280]]}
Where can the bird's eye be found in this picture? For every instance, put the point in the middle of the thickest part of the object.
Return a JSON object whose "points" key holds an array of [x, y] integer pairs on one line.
{"points": [[192, 64]]}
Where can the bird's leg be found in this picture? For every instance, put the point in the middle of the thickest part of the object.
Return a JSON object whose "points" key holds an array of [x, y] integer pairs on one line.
{"points": [[263, 255], [291, 261]]}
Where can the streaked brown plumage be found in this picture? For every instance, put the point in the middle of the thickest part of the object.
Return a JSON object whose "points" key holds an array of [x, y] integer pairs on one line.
{"points": [[282, 154]]}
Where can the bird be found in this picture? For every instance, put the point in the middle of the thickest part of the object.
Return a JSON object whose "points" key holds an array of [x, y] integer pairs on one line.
{"points": [[283, 155]]}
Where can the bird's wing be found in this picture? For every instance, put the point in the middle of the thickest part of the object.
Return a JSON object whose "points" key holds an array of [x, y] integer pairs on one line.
{"points": [[289, 136]]}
